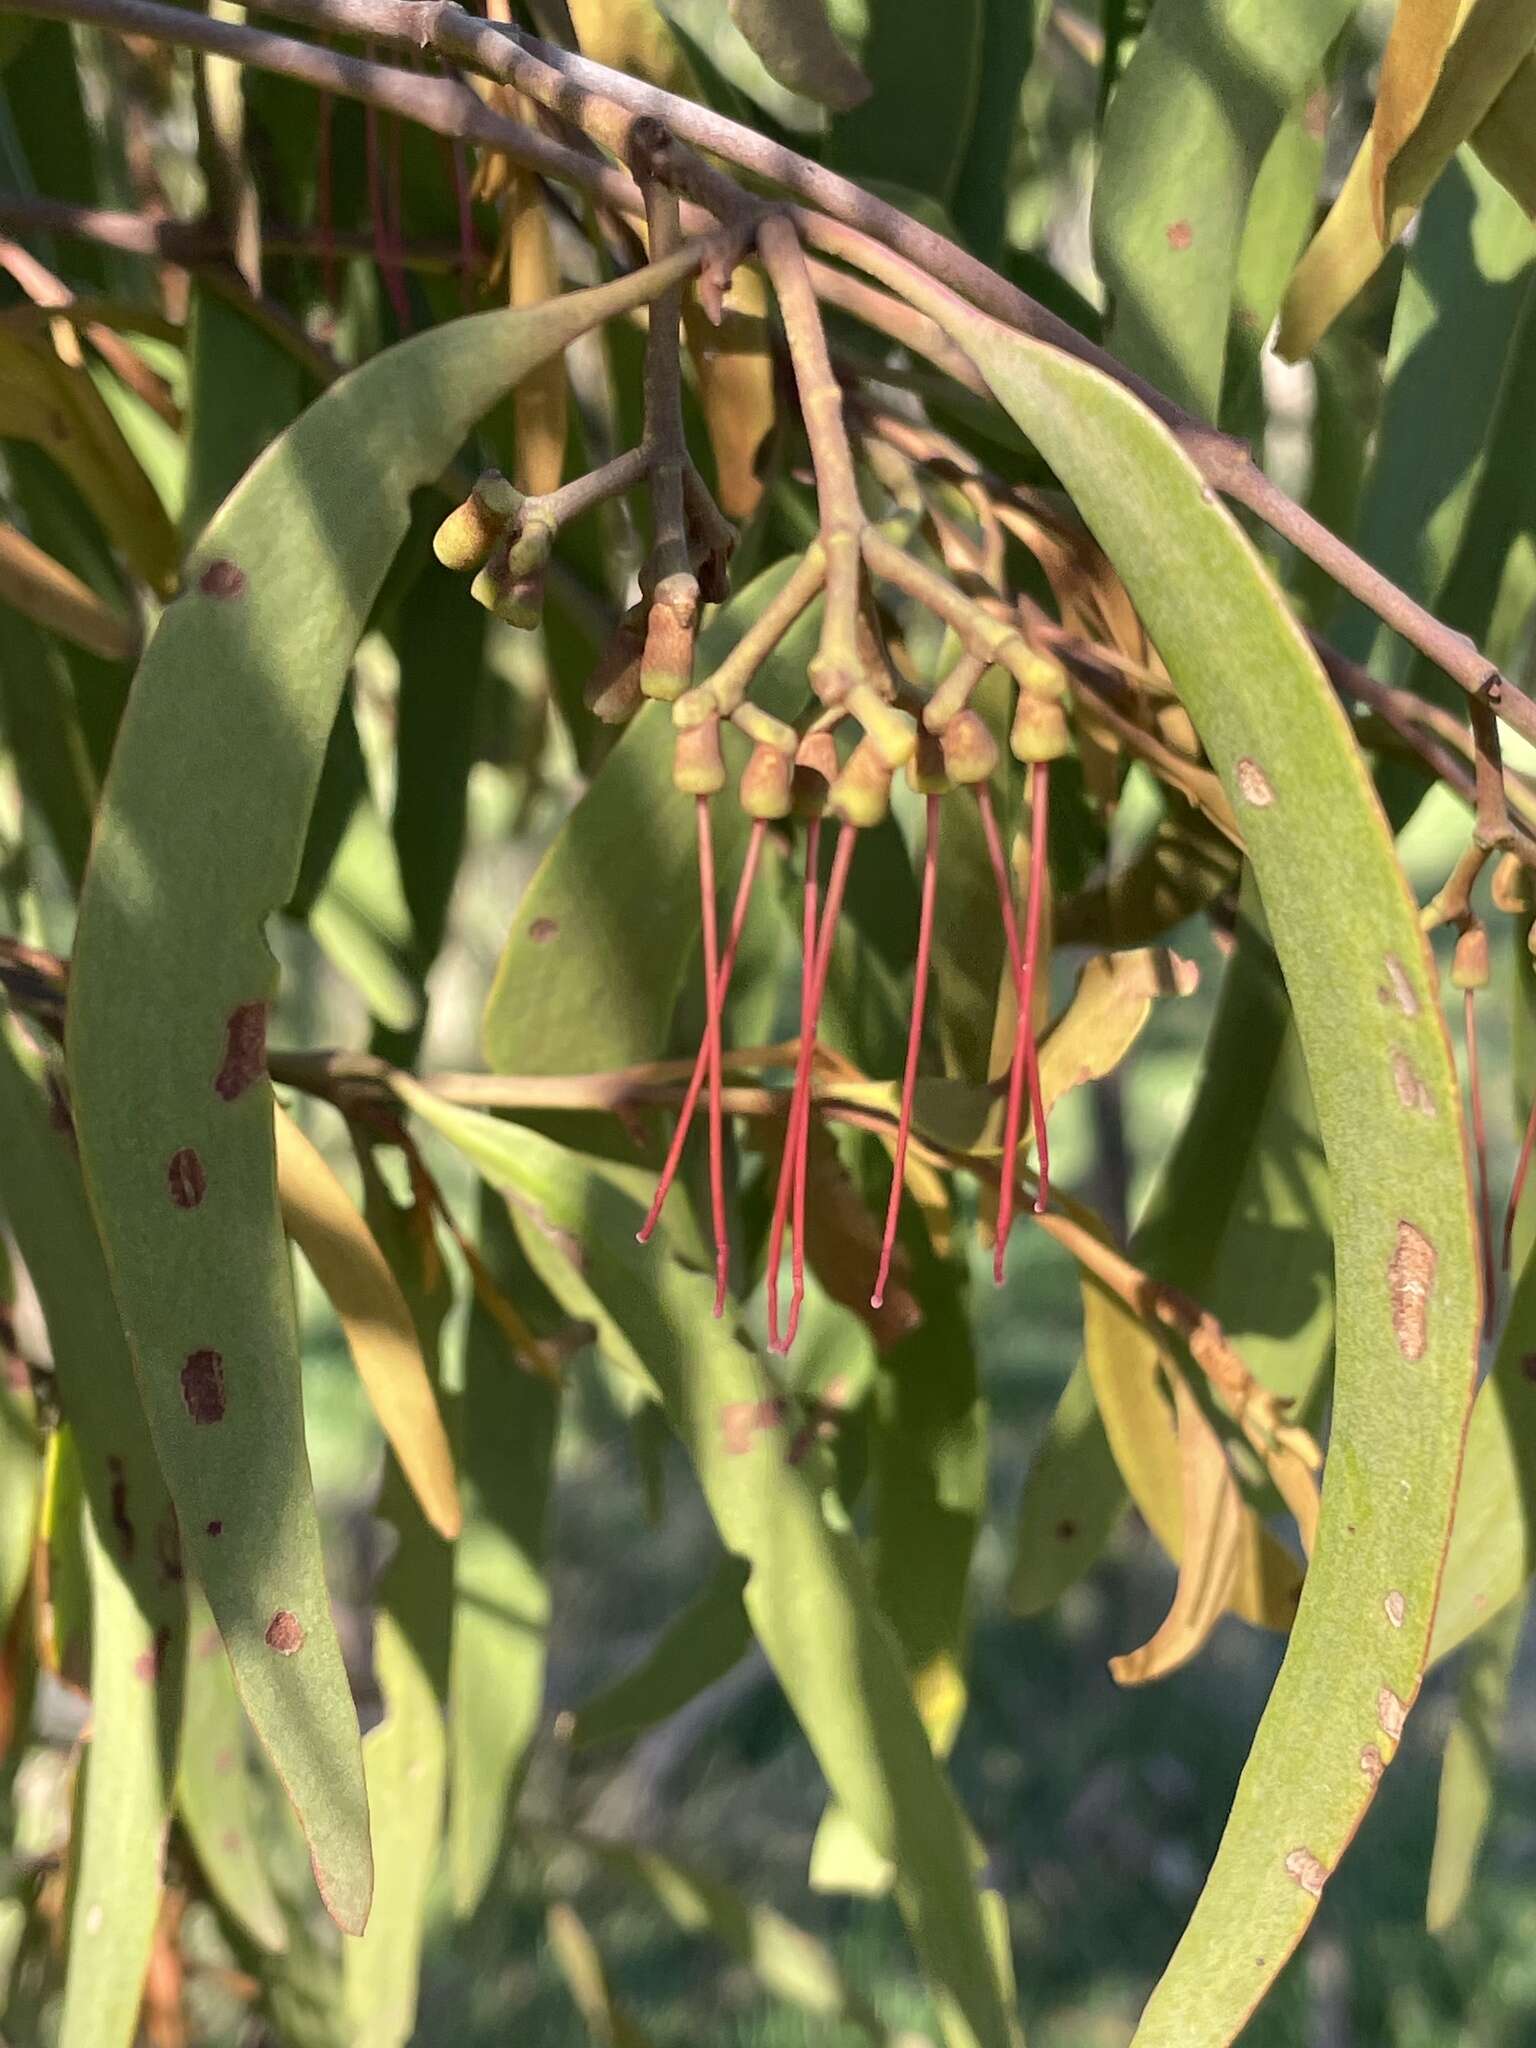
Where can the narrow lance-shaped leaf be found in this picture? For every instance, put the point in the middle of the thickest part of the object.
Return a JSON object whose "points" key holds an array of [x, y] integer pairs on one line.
{"points": [[700, 1644], [321, 1218], [198, 843], [133, 1566], [1470, 1765], [1360, 980], [1506, 138], [1411, 64], [800, 49], [807, 1596]]}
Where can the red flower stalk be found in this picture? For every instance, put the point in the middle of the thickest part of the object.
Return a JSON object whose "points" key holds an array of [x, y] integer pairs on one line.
{"points": [[1480, 1145], [1024, 1065], [819, 937], [712, 1000], [914, 1046], [722, 983], [1517, 1186], [324, 202]]}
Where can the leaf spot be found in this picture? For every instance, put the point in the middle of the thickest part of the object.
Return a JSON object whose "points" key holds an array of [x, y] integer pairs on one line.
{"points": [[222, 578], [1254, 784], [223, 1763], [1397, 1608], [1372, 1762], [1410, 1281], [1412, 1089], [543, 929], [231, 1841], [1180, 235], [1066, 1529], [1398, 989], [245, 1050], [202, 1386], [1308, 1870], [1391, 1713], [285, 1633], [120, 1519], [1528, 1365], [168, 1548], [185, 1179], [149, 1664], [215, 1528], [741, 1420]]}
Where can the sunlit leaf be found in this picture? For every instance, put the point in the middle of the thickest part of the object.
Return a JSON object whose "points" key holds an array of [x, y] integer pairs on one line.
{"points": [[1411, 64], [172, 1102], [1073, 1497], [1359, 979]]}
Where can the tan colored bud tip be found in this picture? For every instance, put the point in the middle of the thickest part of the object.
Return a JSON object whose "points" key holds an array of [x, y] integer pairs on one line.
{"points": [[612, 691], [1039, 729], [926, 771], [970, 752], [667, 667], [1511, 885], [695, 707], [766, 781], [472, 529], [816, 769], [698, 767], [889, 732], [1469, 962], [861, 795]]}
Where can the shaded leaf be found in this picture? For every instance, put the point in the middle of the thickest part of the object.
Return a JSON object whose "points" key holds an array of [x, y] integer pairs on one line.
{"points": [[1469, 1767], [319, 1215], [980, 200], [1188, 129], [799, 49], [276, 597], [1503, 139], [699, 1645], [807, 1596], [243, 389], [914, 127], [576, 1957]]}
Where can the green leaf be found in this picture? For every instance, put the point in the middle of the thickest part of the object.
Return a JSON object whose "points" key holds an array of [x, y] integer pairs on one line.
{"points": [[979, 204], [214, 1800], [1360, 981], [509, 1418], [807, 1595], [1073, 1497], [699, 1645], [243, 390], [133, 1562], [1188, 129], [1470, 1765], [42, 731], [1504, 140], [1348, 248], [169, 1069], [915, 126], [797, 45]]}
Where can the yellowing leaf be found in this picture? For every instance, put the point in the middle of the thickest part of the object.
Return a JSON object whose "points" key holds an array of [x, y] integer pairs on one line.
{"points": [[533, 275], [45, 591], [1422, 31], [736, 391], [633, 36], [798, 48], [1213, 1536], [1348, 248], [320, 1217]]}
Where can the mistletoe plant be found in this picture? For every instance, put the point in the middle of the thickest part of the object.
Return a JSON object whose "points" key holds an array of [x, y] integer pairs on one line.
{"points": [[866, 573]]}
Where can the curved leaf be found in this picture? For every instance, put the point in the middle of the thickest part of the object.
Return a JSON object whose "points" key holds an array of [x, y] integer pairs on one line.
{"points": [[807, 1595], [319, 1215], [198, 842], [1073, 1497], [1504, 139], [1411, 64], [914, 127], [700, 1644], [799, 49], [1187, 131], [1360, 980]]}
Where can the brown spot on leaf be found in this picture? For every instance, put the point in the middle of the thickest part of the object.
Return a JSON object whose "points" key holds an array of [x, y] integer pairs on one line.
{"points": [[209, 1643], [1066, 1529], [185, 1179], [1254, 784], [1391, 1713], [1180, 235], [223, 1763], [202, 1386], [215, 1528], [119, 1493], [60, 1115], [741, 1420], [231, 1840], [1528, 1365], [1397, 1608], [222, 578], [1398, 988], [1412, 1089], [1308, 1870], [149, 1664], [168, 1548], [245, 1050], [1410, 1282], [543, 929], [1372, 1762], [285, 1633]]}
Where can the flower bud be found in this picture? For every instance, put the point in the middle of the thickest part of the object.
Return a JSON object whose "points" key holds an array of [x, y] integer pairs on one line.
{"points": [[816, 769], [698, 766], [766, 783], [1469, 962], [695, 707], [472, 529], [1039, 728], [970, 752], [861, 794], [667, 666]]}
